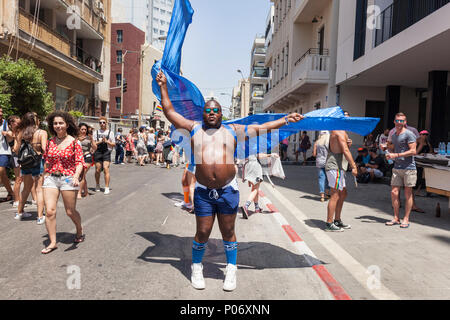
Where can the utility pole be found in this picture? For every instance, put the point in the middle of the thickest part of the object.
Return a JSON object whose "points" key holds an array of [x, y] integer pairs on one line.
{"points": [[121, 84]]}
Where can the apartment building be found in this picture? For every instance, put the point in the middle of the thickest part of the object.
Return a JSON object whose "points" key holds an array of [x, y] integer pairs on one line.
{"points": [[158, 21], [68, 40], [396, 60], [259, 75], [126, 42], [301, 55], [152, 116], [241, 99]]}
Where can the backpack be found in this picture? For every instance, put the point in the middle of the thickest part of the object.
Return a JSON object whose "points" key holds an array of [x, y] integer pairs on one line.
{"points": [[28, 158]]}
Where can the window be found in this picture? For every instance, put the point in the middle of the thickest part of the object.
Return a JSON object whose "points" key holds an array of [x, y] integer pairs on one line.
{"points": [[79, 100], [162, 32], [287, 59], [155, 30], [360, 29], [119, 80], [62, 95], [119, 56], [163, 12], [282, 64], [119, 36], [118, 103]]}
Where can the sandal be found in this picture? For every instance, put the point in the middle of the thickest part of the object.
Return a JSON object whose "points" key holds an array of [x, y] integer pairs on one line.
{"points": [[418, 210], [79, 239], [48, 250], [404, 225], [392, 223]]}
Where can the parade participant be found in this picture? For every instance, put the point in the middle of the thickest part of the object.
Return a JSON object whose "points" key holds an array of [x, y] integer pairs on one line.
{"points": [[402, 148], [30, 137], [216, 191], [5, 157], [151, 144], [13, 123], [159, 147], [188, 184], [304, 146], [320, 152], [129, 145], [141, 146], [103, 142], [335, 167], [120, 142], [88, 149], [63, 166]]}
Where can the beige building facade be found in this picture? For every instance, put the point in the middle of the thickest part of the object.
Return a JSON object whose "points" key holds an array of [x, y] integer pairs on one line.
{"points": [[149, 101], [66, 38]]}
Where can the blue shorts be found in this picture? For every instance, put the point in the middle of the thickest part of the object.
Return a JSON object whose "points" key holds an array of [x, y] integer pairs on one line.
{"points": [[35, 172], [5, 161], [208, 202]]}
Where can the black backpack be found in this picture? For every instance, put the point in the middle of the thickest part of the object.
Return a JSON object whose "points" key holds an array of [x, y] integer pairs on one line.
{"points": [[28, 158]]}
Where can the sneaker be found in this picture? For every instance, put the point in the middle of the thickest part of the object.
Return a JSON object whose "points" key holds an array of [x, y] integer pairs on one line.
{"points": [[197, 276], [340, 224], [107, 190], [18, 216], [34, 203], [15, 204], [97, 188], [230, 278], [41, 220], [331, 227]]}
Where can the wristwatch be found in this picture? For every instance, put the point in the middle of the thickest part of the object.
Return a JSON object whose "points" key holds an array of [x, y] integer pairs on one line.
{"points": [[287, 120]]}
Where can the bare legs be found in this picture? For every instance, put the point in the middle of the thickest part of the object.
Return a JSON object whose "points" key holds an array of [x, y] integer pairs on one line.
{"points": [[395, 196], [335, 204], [29, 183], [51, 199], [226, 226]]}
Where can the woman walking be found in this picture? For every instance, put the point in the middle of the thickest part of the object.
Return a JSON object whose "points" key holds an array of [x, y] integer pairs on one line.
{"points": [[88, 150], [13, 124], [321, 153], [159, 148], [141, 146], [30, 139], [63, 167], [129, 146]]}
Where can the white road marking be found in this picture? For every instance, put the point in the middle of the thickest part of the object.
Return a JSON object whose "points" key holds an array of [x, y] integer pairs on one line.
{"points": [[358, 271]]}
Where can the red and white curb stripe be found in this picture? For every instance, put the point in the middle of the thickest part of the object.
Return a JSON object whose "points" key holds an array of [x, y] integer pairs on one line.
{"points": [[333, 286]]}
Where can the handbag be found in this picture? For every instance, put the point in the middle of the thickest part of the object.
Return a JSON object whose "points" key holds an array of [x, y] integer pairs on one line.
{"points": [[28, 158]]}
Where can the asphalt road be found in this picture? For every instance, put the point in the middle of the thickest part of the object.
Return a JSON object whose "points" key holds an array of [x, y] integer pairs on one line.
{"points": [[138, 246]]}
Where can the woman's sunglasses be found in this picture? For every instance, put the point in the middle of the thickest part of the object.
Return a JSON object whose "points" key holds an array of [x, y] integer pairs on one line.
{"points": [[400, 121], [215, 110], [102, 122]]}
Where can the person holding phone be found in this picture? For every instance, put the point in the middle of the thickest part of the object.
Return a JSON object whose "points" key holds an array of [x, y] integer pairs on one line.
{"points": [[103, 142]]}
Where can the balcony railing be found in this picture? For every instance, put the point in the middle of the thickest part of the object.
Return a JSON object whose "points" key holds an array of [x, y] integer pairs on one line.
{"points": [[43, 33], [403, 14], [260, 73], [312, 67], [311, 51]]}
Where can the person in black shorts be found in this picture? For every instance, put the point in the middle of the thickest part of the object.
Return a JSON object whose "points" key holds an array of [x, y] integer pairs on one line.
{"points": [[104, 142]]}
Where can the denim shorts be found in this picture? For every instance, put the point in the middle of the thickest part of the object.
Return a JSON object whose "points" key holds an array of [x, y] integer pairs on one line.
{"points": [[35, 172], [5, 161], [63, 183], [208, 202]]}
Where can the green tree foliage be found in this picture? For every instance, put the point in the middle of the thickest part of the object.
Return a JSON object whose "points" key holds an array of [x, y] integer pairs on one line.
{"points": [[23, 88]]}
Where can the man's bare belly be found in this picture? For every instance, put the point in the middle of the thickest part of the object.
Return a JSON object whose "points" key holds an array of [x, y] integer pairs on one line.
{"points": [[215, 176]]}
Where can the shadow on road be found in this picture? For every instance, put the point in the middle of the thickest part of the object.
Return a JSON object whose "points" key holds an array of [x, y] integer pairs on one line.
{"points": [[177, 251]]}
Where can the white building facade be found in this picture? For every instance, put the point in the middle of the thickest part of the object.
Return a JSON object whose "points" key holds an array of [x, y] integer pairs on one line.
{"points": [[158, 21]]}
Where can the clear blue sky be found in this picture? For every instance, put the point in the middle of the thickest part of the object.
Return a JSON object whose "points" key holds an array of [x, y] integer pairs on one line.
{"points": [[218, 41]]}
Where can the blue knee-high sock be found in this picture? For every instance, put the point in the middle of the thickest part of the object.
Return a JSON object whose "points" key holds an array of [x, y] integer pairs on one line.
{"points": [[198, 250], [230, 251]]}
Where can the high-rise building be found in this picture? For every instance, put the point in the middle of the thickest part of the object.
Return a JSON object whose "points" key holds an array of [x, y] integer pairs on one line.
{"points": [[158, 21], [259, 75]]}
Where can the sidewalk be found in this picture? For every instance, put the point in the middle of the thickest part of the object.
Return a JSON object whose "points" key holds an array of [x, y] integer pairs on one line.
{"points": [[412, 263]]}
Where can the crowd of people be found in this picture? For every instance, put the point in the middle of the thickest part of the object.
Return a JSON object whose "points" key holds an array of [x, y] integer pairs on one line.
{"points": [[47, 167]]}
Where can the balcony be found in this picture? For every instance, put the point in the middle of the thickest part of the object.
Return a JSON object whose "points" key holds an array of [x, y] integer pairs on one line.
{"points": [[257, 94], [259, 72], [43, 33], [312, 67], [401, 15]]}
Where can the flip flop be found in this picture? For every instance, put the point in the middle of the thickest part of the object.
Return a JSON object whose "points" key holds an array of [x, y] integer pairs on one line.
{"points": [[48, 250], [79, 239], [392, 223], [404, 225], [418, 210]]}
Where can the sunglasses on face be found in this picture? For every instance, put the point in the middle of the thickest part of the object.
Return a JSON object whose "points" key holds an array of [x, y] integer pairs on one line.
{"points": [[102, 122], [400, 121], [215, 110]]}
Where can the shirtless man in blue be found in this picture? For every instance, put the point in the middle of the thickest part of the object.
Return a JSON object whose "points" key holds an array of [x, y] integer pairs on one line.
{"points": [[216, 194]]}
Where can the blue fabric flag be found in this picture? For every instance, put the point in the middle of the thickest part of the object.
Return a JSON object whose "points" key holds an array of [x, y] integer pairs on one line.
{"points": [[186, 98]]}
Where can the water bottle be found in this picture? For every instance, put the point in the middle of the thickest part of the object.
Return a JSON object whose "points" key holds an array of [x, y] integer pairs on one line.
{"points": [[448, 148], [441, 148]]}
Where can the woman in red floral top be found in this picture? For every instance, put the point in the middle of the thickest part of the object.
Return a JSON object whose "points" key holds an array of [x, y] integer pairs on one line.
{"points": [[63, 165]]}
